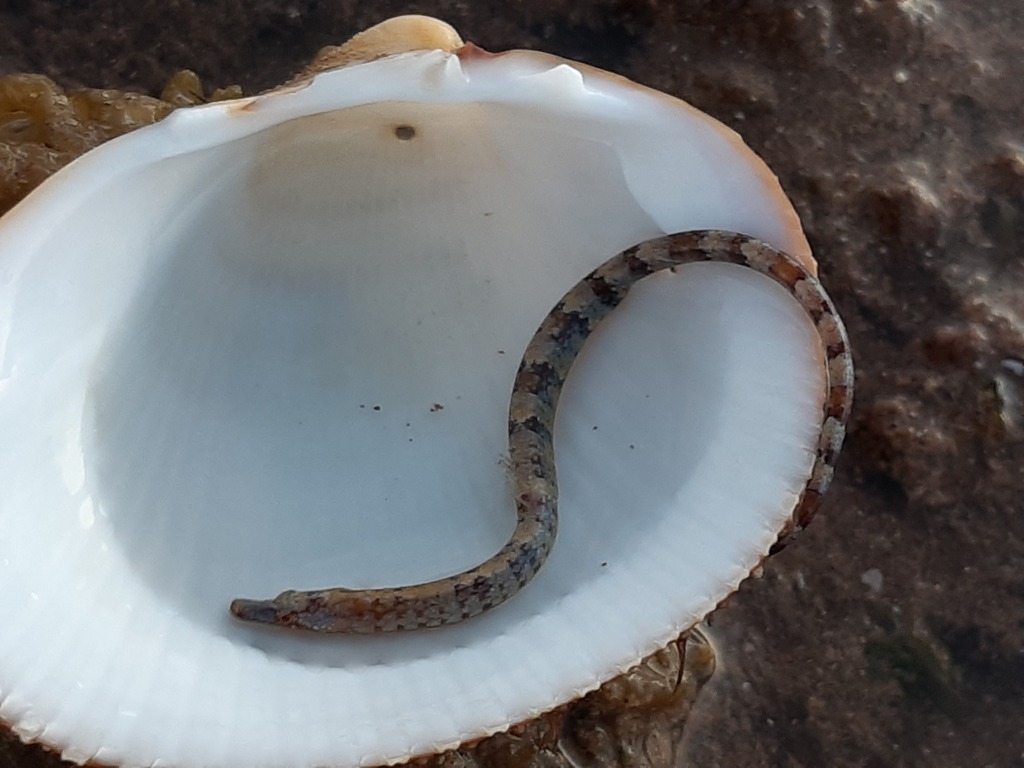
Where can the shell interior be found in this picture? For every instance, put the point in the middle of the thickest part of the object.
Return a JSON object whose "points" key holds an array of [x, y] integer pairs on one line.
{"points": [[269, 344]]}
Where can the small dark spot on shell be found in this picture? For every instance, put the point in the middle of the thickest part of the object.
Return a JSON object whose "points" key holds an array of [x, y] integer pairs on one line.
{"points": [[595, 427], [604, 564], [436, 407], [405, 132], [376, 407]]}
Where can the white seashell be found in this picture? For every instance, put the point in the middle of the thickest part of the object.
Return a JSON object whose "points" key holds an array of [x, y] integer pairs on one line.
{"points": [[268, 344]]}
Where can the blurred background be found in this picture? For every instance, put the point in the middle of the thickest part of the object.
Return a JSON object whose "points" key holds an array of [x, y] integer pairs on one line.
{"points": [[891, 633]]}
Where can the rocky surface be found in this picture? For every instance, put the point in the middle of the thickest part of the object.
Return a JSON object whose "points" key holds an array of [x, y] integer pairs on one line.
{"points": [[891, 632]]}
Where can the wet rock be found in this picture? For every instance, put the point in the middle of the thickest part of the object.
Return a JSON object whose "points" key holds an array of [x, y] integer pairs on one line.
{"points": [[742, 91], [919, 664], [909, 445], [906, 210], [893, 23]]}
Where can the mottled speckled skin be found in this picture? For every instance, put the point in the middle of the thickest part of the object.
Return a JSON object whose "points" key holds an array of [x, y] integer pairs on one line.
{"points": [[538, 384]]}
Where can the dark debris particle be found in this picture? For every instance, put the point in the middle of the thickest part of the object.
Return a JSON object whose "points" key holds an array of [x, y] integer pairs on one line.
{"points": [[436, 407], [376, 407], [405, 132]]}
